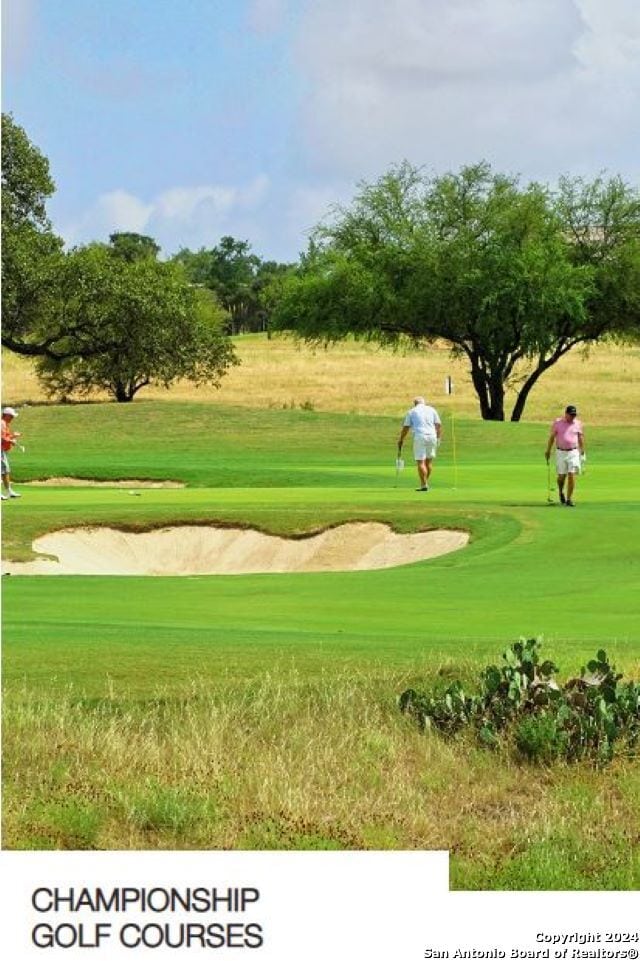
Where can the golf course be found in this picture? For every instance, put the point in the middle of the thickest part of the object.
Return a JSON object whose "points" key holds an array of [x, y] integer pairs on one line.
{"points": [[253, 711]]}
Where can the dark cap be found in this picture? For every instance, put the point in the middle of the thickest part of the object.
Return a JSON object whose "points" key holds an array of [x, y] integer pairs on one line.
{"points": [[571, 410]]}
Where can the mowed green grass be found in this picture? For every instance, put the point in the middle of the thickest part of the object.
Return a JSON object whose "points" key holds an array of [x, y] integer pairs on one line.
{"points": [[279, 690], [530, 568]]}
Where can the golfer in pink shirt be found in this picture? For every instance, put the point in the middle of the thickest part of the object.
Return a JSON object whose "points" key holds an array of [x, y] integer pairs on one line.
{"points": [[568, 436]]}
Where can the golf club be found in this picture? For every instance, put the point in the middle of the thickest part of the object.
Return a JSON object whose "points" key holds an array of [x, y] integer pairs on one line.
{"points": [[550, 499], [399, 467]]}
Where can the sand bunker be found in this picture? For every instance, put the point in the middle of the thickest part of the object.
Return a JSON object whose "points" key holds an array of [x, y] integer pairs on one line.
{"points": [[85, 482], [215, 550]]}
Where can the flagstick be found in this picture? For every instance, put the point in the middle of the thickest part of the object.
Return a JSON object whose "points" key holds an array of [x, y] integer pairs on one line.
{"points": [[448, 389]]}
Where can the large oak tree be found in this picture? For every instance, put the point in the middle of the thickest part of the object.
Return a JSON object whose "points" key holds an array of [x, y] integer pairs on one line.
{"points": [[512, 277], [31, 252], [142, 322], [102, 317]]}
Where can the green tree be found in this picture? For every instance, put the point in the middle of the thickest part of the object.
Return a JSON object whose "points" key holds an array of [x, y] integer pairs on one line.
{"points": [[269, 275], [31, 252], [473, 258], [602, 220], [232, 276], [143, 323], [132, 246], [196, 264], [600, 229], [238, 278]]}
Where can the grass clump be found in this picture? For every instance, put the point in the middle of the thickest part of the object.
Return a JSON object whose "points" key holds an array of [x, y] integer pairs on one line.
{"points": [[521, 702]]}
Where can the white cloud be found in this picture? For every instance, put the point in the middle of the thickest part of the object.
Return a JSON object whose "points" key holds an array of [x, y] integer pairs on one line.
{"points": [[183, 203], [18, 25], [611, 41], [609, 54], [176, 217], [119, 210], [538, 86], [266, 16], [307, 206], [254, 193]]}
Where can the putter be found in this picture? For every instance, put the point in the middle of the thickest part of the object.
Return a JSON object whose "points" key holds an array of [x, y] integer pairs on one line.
{"points": [[399, 467], [550, 500]]}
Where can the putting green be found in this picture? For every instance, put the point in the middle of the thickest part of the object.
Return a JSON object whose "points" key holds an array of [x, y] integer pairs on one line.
{"points": [[530, 569]]}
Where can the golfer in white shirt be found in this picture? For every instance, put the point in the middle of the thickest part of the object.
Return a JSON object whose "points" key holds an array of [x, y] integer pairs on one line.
{"points": [[425, 424]]}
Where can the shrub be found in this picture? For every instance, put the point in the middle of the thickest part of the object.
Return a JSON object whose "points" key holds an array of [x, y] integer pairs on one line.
{"points": [[540, 739], [521, 703]]}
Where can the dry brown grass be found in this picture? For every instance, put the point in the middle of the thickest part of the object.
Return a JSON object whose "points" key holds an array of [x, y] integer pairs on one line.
{"points": [[360, 378], [283, 763]]}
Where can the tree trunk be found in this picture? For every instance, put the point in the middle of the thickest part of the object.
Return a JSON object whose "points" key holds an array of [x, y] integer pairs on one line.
{"points": [[523, 394], [496, 394], [123, 393], [489, 386], [530, 382]]}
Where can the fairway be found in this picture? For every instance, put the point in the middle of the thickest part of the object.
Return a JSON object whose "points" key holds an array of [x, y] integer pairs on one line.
{"points": [[118, 660]]}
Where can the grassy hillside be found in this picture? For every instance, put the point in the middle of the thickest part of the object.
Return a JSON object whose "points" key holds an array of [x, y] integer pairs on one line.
{"points": [[361, 378]]}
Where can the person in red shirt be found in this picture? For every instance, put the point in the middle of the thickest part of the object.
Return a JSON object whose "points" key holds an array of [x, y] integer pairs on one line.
{"points": [[568, 436], [9, 438]]}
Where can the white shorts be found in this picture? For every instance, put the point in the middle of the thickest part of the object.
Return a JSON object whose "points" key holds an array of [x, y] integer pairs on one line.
{"points": [[567, 461], [424, 448]]}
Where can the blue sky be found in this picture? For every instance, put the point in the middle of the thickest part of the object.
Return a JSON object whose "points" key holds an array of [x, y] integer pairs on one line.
{"points": [[190, 119]]}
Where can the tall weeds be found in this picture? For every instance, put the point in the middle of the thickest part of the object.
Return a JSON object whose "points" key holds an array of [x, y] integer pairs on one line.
{"points": [[281, 762]]}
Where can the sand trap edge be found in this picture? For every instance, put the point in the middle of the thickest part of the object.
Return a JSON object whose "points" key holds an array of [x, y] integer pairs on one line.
{"points": [[190, 550], [88, 482]]}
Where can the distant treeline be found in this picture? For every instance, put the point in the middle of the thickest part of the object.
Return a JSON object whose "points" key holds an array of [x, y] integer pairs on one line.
{"points": [[238, 278]]}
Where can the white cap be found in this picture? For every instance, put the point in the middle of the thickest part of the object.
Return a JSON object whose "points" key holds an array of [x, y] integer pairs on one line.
{"points": [[418, 400], [9, 411]]}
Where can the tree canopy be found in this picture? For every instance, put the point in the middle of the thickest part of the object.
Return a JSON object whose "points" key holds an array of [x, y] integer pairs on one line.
{"points": [[238, 278], [31, 252], [512, 276], [143, 323], [101, 317], [508, 275], [131, 246]]}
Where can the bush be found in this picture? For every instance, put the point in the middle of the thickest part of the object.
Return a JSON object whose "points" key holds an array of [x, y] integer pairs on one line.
{"points": [[540, 739], [521, 703]]}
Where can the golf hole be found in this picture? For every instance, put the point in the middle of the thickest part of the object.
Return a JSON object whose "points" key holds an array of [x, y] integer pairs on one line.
{"points": [[218, 550]]}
